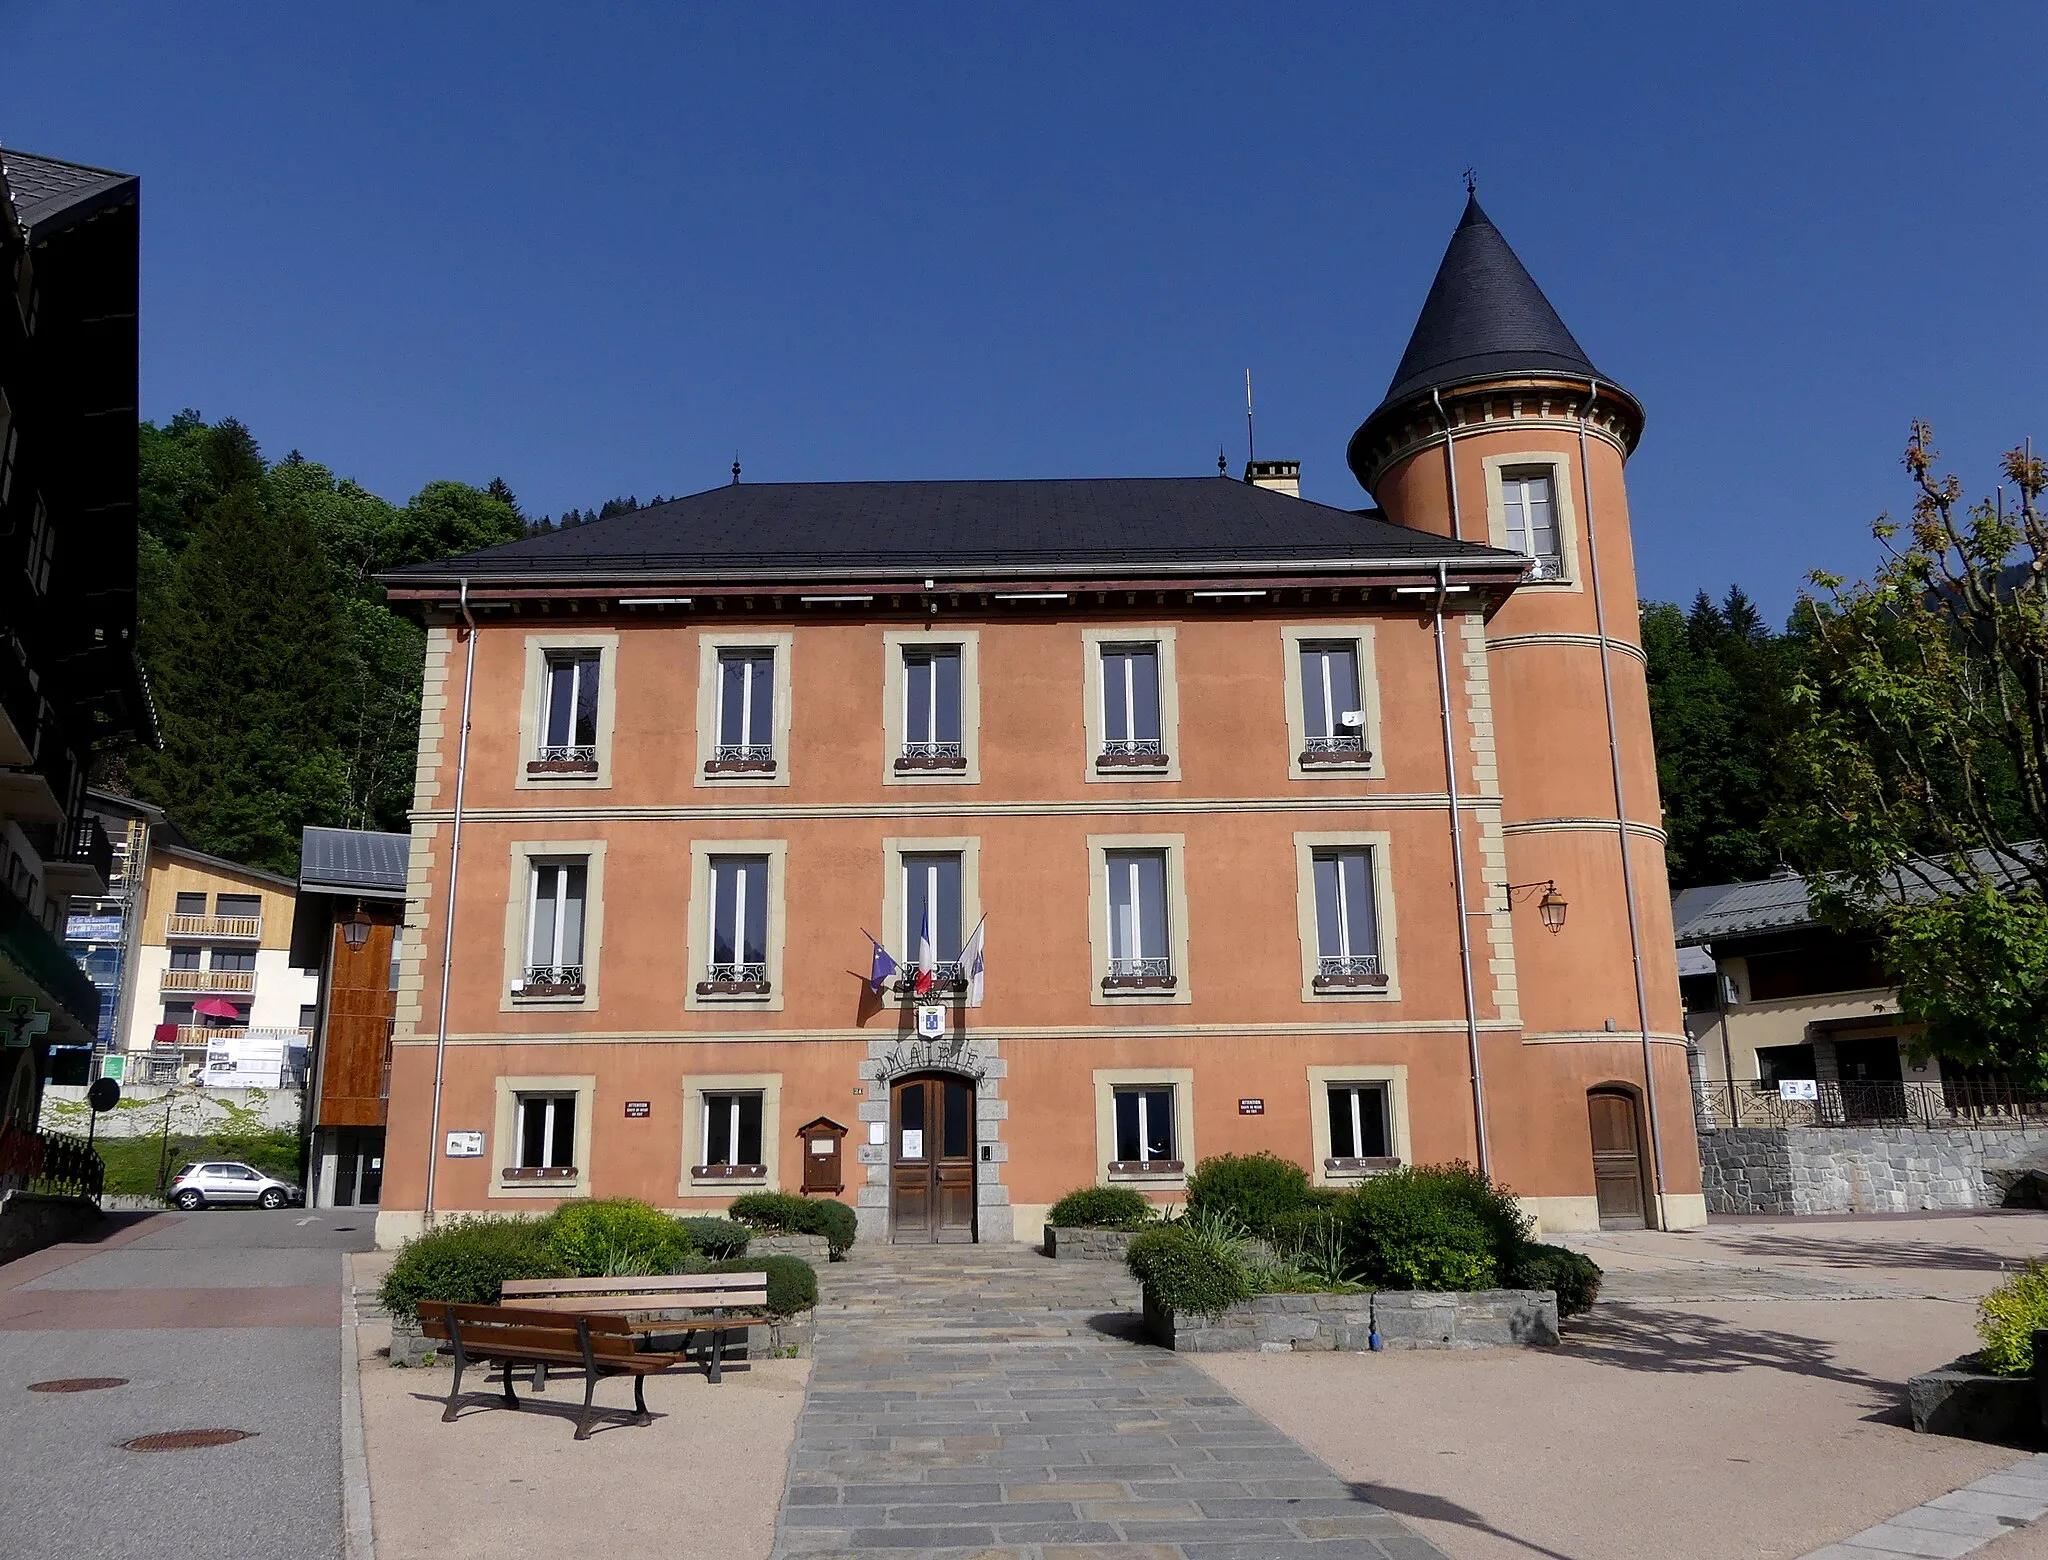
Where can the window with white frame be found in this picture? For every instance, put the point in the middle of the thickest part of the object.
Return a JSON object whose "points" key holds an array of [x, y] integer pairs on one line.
{"points": [[931, 902], [739, 926], [1333, 716], [931, 709], [1144, 1126], [1358, 1121], [568, 727], [1130, 704], [545, 1130], [1138, 951], [746, 710], [554, 929], [1347, 925], [1530, 504], [732, 1133]]}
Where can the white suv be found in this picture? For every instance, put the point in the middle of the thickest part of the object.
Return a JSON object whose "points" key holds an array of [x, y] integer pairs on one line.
{"points": [[228, 1181]]}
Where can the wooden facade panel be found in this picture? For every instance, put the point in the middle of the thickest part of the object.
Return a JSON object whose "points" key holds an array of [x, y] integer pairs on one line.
{"points": [[360, 1005]]}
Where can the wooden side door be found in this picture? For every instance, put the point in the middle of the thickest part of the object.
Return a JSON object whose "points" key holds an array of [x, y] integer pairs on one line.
{"points": [[910, 1161], [953, 1170], [931, 1161], [1617, 1160]]}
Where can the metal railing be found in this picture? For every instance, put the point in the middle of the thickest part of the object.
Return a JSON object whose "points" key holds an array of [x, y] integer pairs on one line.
{"points": [[934, 750], [735, 972], [226, 982], [240, 928], [577, 753], [1348, 745], [1546, 567], [1136, 747], [1341, 966], [547, 976], [1140, 969], [50, 1162], [196, 1037], [1950, 1103], [743, 753], [947, 975]]}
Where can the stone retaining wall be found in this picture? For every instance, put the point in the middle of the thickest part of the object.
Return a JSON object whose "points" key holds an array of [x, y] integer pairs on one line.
{"points": [[814, 1249], [1406, 1319], [1863, 1169], [1088, 1245]]}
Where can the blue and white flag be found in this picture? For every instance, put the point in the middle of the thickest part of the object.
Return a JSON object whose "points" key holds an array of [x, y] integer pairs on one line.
{"points": [[970, 961], [884, 966]]}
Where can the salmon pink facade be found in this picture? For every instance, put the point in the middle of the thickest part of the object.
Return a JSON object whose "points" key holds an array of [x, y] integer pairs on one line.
{"points": [[944, 847]]}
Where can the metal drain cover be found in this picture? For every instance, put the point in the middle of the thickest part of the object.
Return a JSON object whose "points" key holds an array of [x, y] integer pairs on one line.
{"points": [[184, 1440], [78, 1384]]}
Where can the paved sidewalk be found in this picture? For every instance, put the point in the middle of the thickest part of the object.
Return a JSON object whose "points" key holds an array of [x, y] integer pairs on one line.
{"points": [[1958, 1523], [988, 1401]]}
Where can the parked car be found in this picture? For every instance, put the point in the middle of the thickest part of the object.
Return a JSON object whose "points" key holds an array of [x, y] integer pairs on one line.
{"points": [[229, 1181]]}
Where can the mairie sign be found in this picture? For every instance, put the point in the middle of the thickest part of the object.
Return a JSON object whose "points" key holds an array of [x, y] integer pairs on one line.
{"points": [[946, 1053]]}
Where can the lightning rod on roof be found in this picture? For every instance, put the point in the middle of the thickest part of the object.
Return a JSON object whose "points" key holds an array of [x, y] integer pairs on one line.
{"points": [[1251, 443], [735, 468]]}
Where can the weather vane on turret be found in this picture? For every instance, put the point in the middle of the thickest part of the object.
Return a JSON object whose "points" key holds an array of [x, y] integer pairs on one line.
{"points": [[1471, 180]]}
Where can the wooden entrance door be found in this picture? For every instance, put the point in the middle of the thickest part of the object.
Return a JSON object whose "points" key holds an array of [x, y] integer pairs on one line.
{"points": [[931, 1161], [1617, 1159]]}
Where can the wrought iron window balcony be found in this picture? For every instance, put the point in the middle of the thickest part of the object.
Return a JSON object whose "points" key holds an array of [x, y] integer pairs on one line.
{"points": [[742, 758], [1339, 972], [1139, 975], [544, 980], [931, 756], [1131, 753], [1344, 748], [573, 759], [737, 978], [948, 975], [1546, 567]]}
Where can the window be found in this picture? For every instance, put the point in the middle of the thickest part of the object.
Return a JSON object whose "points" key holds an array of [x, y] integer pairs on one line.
{"points": [[190, 904], [739, 927], [1358, 1122], [1333, 715], [546, 1137], [931, 901], [185, 958], [1531, 510], [1144, 1128], [309, 1014], [732, 1135], [1138, 955], [178, 1013], [1775, 1063], [1130, 707], [10, 440], [1347, 930], [554, 935], [244, 906], [568, 724], [746, 713], [42, 547], [931, 710], [238, 959]]}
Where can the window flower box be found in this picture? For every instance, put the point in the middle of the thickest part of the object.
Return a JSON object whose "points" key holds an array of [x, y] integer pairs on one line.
{"points": [[1147, 1167], [530, 1173], [1130, 761], [1139, 982], [562, 766], [1371, 1165], [728, 1172], [550, 988], [732, 988], [935, 764], [1338, 758], [740, 766]]}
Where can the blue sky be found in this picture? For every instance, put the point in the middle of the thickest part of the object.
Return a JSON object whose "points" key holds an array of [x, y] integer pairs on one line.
{"points": [[598, 249]]}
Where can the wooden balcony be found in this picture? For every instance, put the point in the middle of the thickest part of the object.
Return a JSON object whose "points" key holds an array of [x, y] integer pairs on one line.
{"points": [[226, 983], [213, 928]]}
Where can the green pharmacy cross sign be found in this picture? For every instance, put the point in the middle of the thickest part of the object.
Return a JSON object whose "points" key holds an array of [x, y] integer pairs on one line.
{"points": [[21, 1021]]}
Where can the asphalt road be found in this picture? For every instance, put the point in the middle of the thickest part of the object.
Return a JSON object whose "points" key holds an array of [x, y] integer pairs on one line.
{"points": [[220, 1319]]}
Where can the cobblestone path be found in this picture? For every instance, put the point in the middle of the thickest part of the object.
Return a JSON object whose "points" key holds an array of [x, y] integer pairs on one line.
{"points": [[986, 1401]]}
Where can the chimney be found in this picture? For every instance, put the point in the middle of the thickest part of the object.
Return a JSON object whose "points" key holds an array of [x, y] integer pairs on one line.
{"points": [[1277, 476]]}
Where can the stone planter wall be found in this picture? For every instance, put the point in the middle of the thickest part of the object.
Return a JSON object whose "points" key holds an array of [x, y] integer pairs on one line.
{"points": [[1961, 1400], [1406, 1319], [1088, 1245], [814, 1249], [1863, 1169]]}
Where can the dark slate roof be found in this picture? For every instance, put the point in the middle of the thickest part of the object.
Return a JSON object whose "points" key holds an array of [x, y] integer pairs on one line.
{"points": [[1080, 526], [1779, 902], [1485, 315], [353, 861], [50, 194]]}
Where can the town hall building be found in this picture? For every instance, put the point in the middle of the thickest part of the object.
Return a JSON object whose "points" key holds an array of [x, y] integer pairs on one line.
{"points": [[942, 847]]}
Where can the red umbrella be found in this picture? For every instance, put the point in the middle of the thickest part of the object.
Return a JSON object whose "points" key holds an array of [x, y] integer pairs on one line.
{"points": [[214, 1007]]}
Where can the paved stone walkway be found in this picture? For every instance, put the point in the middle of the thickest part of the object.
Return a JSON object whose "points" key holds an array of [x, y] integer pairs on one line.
{"points": [[986, 1401], [1956, 1523]]}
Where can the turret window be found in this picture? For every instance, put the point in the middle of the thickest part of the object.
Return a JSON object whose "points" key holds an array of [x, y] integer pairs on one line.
{"points": [[1530, 503]]}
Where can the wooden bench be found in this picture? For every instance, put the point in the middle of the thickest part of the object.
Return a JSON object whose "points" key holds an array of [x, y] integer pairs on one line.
{"points": [[600, 1345], [736, 1302]]}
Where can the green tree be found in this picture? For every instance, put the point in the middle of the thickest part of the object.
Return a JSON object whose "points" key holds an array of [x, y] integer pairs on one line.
{"points": [[1918, 796]]}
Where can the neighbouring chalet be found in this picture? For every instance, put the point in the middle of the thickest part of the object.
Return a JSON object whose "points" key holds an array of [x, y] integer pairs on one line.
{"points": [[1284, 826]]}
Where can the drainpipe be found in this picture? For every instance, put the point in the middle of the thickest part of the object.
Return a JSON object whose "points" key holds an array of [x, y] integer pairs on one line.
{"points": [[448, 928], [1443, 684], [1628, 874], [1450, 464]]}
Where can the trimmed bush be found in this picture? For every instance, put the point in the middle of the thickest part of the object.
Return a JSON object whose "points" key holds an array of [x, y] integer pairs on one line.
{"points": [[717, 1238], [466, 1262], [1574, 1276], [1433, 1227], [792, 1285], [1189, 1270], [790, 1214], [615, 1238], [1253, 1189], [2007, 1317], [1101, 1208]]}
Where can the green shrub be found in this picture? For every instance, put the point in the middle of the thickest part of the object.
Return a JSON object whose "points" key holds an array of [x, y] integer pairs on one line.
{"points": [[1190, 1269], [792, 1285], [1575, 1277], [466, 1262], [1253, 1189], [2007, 1317], [1101, 1208], [615, 1238], [1433, 1227], [717, 1238], [785, 1212]]}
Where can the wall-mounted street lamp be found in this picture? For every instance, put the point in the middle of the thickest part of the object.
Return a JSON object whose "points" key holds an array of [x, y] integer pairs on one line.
{"points": [[355, 931], [1552, 906]]}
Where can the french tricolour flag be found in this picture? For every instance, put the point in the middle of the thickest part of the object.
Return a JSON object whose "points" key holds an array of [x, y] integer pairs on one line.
{"points": [[927, 956]]}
